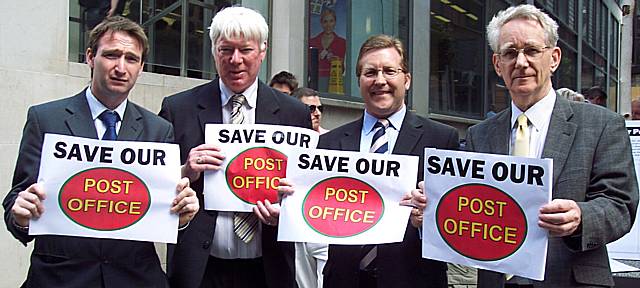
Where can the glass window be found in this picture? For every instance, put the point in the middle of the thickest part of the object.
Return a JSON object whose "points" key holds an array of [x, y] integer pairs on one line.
{"points": [[178, 45], [457, 59], [565, 75], [337, 29], [586, 75]]}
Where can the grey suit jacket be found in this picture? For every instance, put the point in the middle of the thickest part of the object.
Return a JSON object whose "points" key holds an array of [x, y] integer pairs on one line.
{"points": [[189, 111], [398, 264], [64, 261], [592, 165]]}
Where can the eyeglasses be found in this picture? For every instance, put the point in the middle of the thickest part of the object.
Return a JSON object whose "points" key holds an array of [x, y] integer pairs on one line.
{"points": [[531, 52], [387, 72], [312, 108]]}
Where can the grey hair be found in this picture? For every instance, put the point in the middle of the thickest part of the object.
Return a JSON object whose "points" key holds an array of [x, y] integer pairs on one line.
{"points": [[571, 95], [525, 11], [239, 22]]}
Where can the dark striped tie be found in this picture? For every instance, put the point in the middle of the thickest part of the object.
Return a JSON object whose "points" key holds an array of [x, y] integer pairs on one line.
{"points": [[379, 144], [109, 118], [244, 224]]}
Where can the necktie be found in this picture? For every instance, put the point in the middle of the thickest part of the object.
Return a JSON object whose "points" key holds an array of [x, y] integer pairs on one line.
{"points": [[109, 118], [379, 144], [244, 224], [521, 147]]}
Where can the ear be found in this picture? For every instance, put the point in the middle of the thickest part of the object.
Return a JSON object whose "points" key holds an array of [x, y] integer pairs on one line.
{"points": [[556, 56], [495, 59], [89, 55], [141, 68], [407, 81]]}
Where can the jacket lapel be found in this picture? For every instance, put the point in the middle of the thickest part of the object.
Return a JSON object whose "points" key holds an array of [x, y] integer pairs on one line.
{"points": [[79, 116], [351, 139], [499, 133], [210, 104], [560, 136], [267, 106], [409, 135], [131, 126]]}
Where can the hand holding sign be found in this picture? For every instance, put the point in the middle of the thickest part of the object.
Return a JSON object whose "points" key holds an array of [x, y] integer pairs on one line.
{"points": [[186, 203], [418, 201], [202, 157], [28, 205], [561, 217]]}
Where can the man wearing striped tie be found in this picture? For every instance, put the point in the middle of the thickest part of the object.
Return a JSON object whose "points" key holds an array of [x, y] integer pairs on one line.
{"points": [[227, 249], [595, 194], [386, 127]]}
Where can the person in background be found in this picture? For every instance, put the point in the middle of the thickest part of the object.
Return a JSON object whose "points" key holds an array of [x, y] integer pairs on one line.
{"points": [[310, 98], [221, 248], [116, 54], [284, 82], [330, 46], [571, 95], [635, 109], [596, 95]]}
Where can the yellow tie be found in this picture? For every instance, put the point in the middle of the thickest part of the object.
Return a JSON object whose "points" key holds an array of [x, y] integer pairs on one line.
{"points": [[521, 147]]}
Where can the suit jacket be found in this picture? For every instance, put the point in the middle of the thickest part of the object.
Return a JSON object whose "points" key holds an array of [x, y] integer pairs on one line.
{"points": [[592, 165], [65, 261], [398, 264], [189, 111]]}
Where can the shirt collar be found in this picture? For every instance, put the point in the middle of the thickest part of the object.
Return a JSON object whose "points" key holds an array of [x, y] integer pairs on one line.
{"points": [[395, 120], [539, 113], [251, 93], [96, 107]]}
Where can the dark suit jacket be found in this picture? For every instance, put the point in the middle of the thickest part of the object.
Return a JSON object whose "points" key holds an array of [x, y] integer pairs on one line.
{"points": [[592, 165], [398, 264], [65, 261], [189, 111]]}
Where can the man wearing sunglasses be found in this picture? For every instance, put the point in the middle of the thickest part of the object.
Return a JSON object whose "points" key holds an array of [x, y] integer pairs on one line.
{"points": [[310, 98]]}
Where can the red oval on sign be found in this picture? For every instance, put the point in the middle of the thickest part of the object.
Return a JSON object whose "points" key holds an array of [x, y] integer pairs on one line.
{"points": [[342, 207], [104, 198], [254, 175], [481, 222]]}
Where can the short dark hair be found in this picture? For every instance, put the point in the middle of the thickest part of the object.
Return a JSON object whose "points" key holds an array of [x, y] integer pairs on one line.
{"points": [[119, 24], [382, 41], [595, 91], [284, 78], [304, 92]]}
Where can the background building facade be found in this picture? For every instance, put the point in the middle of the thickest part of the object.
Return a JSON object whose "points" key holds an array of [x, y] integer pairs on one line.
{"points": [[43, 43]]}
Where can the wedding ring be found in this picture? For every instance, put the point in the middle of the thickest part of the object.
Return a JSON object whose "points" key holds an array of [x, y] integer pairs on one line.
{"points": [[199, 160]]}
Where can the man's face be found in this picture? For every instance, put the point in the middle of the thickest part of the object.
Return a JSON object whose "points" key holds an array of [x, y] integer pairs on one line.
{"points": [[528, 75], [116, 66], [383, 94], [316, 114], [284, 88], [238, 62]]}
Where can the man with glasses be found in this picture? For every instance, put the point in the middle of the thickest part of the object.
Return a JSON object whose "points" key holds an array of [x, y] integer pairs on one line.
{"points": [[226, 249], [386, 127], [310, 98], [595, 193]]}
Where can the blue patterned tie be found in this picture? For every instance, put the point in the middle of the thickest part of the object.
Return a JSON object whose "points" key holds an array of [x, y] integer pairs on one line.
{"points": [[109, 118], [379, 144]]}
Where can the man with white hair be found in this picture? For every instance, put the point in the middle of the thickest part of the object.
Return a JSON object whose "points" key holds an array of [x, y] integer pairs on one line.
{"points": [[213, 251], [595, 193]]}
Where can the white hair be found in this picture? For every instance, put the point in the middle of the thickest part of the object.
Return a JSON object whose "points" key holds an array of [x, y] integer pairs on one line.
{"points": [[525, 11], [239, 22]]}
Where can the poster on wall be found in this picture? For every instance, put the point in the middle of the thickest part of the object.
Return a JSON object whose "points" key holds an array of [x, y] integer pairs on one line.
{"points": [[327, 45]]}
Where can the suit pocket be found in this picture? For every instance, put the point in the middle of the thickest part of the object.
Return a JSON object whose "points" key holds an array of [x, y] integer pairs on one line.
{"points": [[593, 275]]}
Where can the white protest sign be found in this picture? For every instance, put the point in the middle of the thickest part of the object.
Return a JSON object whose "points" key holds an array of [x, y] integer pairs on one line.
{"points": [[108, 189], [346, 197], [482, 211], [256, 160], [628, 247]]}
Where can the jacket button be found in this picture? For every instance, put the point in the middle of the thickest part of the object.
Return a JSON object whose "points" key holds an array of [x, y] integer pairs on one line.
{"points": [[206, 244]]}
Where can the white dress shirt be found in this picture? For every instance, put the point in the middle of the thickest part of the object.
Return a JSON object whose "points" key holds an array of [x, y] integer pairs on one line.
{"points": [[395, 123], [96, 108], [539, 116], [226, 244]]}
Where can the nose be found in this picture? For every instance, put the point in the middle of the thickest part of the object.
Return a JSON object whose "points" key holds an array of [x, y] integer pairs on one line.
{"points": [[380, 80], [120, 65], [521, 60], [236, 57]]}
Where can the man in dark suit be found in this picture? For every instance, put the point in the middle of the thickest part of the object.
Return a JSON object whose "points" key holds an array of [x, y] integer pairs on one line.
{"points": [[116, 52], [595, 193], [383, 78], [210, 253]]}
